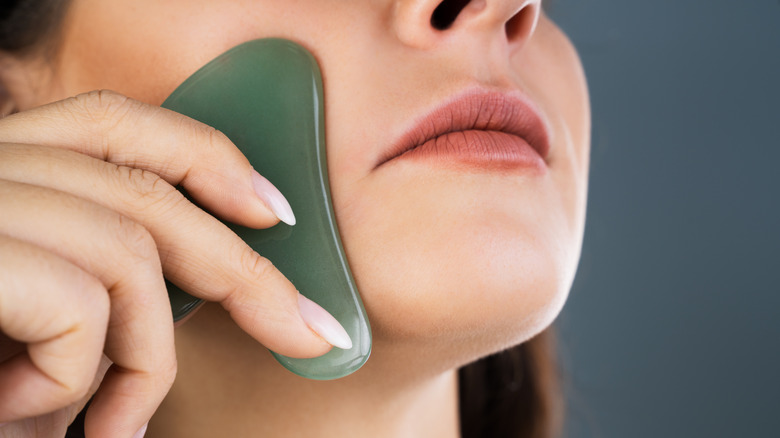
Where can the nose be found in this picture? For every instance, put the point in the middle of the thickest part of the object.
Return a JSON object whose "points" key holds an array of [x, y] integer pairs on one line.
{"points": [[424, 24]]}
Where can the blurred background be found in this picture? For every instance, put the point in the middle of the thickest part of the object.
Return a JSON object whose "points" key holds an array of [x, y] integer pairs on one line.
{"points": [[672, 328]]}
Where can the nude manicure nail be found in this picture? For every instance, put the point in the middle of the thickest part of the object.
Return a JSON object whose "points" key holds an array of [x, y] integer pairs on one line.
{"points": [[273, 198], [141, 432], [323, 323]]}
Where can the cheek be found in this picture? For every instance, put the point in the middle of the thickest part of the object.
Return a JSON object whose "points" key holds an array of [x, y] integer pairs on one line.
{"points": [[551, 68], [162, 43]]}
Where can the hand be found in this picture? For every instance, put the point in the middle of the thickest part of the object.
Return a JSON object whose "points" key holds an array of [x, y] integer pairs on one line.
{"points": [[90, 222]]}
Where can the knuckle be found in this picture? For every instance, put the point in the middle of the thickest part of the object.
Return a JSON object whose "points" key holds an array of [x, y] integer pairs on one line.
{"points": [[144, 182], [217, 138], [90, 305], [213, 140], [256, 268], [264, 282], [214, 136], [148, 191], [167, 373], [100, 112], [78, 389], [87, 318], [99, 106], [214, 146], [135, 239], [74, 386], [159, 377], [98, 301]]}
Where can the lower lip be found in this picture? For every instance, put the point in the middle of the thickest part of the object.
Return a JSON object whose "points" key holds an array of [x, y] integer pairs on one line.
{"points": [[491, 150]]}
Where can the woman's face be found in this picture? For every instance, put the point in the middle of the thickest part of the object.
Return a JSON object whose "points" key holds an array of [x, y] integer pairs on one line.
{"points": [[474, 238]]}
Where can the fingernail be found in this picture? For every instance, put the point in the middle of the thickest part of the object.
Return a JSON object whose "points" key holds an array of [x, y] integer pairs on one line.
{"points": [[141, 432], [273, 198], [323, 323]]}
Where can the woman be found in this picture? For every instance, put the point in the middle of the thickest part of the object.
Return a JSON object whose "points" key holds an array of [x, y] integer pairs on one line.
{"points": [[459, 252]]}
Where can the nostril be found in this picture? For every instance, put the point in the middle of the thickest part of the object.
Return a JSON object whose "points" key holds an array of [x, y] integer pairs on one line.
{"points": [[521, 23], [446, 13]]}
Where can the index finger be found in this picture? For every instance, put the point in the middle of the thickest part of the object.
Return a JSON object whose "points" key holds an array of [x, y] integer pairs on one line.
{"points": [[199, 253], [183, 151]]}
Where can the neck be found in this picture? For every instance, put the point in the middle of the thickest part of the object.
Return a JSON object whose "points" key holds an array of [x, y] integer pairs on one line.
{"points": [[229, 385]]}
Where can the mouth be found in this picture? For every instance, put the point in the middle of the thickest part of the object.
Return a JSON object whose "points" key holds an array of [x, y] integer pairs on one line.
{"points": [[477, 128]]}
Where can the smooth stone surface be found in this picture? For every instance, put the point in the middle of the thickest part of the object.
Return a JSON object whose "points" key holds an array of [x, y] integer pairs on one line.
{"points": [[266, 96]]}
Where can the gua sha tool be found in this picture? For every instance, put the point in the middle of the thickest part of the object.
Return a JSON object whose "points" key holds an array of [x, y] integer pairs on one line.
{"points": [[266, 96]]}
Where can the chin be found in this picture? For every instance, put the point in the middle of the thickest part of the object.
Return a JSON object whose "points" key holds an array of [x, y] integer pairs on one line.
{"points": [[471, 291]]}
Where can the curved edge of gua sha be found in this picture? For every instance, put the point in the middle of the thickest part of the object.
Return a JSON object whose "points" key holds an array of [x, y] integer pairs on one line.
{"points": [[266, 96]]}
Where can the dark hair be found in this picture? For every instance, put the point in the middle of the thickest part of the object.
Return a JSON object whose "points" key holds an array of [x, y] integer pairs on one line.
{"points": [[511, 394], [26, 25]]}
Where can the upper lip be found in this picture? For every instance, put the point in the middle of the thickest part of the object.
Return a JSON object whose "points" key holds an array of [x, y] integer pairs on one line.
{"points": [[484, 110]]}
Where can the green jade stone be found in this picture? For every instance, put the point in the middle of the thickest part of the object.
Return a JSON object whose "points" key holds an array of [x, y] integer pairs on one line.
{"points": [[266, 96]]}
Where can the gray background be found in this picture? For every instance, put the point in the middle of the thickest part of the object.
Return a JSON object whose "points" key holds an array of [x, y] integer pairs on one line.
{"points": [[672, 328]]}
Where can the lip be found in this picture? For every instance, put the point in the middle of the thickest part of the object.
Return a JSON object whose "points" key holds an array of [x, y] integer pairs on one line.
{"points": [[477, 128]]}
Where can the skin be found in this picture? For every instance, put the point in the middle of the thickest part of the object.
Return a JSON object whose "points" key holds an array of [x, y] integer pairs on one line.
{"points": [[452, 263]]}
